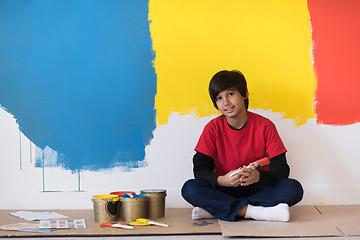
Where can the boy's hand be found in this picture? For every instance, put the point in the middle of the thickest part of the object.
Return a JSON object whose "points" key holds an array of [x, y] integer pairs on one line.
{"points": [[248, 176], [244, 176], [231, 179]]}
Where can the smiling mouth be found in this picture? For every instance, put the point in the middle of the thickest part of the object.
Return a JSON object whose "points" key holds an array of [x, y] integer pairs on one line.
{"points": [[229, 109]]}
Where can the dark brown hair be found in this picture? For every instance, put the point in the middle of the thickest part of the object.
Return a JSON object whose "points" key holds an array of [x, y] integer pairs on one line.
{"points": [[225, 80]]}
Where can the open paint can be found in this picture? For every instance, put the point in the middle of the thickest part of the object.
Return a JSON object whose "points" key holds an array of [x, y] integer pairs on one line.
{"points": [[156, 202], [121, 193], [105, 207], [133, 207]]}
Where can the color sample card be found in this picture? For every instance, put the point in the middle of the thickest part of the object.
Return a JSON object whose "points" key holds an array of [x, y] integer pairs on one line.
{"points": [[79, 223]]}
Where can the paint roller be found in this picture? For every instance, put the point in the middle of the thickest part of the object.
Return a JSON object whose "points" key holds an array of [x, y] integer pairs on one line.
{"points": [[258, 163]]}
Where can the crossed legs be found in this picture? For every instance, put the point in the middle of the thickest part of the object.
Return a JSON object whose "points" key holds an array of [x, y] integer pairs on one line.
{"points": [[270, 203]]}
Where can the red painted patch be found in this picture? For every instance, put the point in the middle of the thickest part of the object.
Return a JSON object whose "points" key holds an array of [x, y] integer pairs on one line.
{"points": [[336, 37]]}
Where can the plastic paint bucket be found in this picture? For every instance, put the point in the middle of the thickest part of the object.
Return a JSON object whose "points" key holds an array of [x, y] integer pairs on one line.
{"points": [[105, 207], [156, 202], [133, 208], [121, 193]]}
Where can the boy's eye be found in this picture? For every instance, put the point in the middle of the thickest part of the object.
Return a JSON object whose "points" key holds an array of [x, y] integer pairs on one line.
{"points": [[218, 98]]}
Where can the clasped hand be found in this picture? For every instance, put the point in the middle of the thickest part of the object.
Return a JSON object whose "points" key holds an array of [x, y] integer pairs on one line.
{"points": [[244, 176]]}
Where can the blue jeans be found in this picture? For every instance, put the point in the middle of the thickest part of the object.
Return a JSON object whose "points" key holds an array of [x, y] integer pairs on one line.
{"points": [[224, 202]]}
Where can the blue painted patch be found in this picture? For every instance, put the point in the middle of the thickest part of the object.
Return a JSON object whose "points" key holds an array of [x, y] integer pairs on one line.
{"points": [[78, 77]]}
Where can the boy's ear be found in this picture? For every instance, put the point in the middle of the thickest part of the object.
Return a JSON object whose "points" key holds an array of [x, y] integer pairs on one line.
{"points": [[247, 94]]}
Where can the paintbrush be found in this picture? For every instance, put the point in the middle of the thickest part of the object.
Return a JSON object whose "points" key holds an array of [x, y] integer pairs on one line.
{"points": [[259, 163], [130, 194], [117, 225], [151, 222]]}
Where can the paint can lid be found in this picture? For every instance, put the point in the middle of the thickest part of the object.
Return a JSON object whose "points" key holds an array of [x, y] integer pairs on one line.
{"points": [[153, 191], [106, 197], [122, 193]]}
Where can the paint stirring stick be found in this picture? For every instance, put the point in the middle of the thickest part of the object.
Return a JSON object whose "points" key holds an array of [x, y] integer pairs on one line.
{"points": [[117, 225], [259, 163]]}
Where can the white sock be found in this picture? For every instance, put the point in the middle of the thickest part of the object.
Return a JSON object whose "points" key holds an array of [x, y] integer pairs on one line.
{"points": [[278, 213], [199, 213]]}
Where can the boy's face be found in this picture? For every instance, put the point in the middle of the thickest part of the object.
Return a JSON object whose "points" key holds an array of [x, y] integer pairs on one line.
{"points": [[230, 103]]}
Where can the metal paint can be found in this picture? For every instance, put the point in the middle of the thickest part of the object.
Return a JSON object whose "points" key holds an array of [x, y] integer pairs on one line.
{"points": [[156, 202], [105, 207], [133, 208], [121, 193]]}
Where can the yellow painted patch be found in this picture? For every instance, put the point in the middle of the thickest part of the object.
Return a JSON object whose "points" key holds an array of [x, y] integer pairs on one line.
{"points": [[269, 41]]}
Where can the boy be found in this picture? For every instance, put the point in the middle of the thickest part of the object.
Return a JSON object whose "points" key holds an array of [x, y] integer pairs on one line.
{"points": [[224, 187]]}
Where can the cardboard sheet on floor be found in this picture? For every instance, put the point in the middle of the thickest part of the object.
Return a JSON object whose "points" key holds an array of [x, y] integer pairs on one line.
{"points": [[305, 221], [178, 219], [346, 218]]}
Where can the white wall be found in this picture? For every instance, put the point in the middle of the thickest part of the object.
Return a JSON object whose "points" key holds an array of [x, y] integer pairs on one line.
{"points": [[323, 158]]}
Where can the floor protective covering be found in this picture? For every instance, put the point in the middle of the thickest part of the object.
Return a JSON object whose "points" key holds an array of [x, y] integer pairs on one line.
{"points": [[305, 221]]}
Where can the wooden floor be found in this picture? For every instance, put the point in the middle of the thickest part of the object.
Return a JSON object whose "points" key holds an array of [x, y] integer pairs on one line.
{"points": [[326, 222]]}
